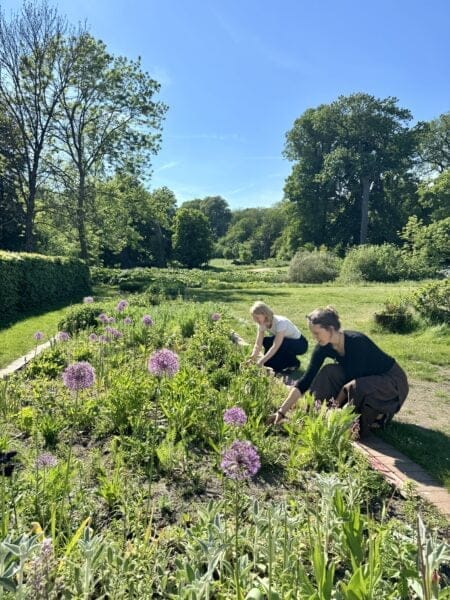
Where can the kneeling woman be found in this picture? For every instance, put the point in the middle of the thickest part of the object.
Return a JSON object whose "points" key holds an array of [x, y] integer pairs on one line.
{"points": [[283, 344], [363, 374]]}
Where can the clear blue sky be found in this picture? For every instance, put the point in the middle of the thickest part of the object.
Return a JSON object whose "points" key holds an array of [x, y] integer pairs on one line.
{"points": [[237, 73]]}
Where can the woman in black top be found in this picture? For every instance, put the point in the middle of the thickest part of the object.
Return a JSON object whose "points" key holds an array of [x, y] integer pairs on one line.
{"points": [[363, 374]]}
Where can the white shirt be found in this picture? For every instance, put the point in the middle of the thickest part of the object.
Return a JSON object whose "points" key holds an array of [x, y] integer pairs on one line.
{"points": [[280, 323]]}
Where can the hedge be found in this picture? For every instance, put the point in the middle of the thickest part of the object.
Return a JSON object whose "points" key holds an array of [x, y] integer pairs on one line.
{"points": [[33, 281]]}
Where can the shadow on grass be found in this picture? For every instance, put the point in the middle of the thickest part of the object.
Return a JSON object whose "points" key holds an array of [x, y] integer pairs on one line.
{"points": [[428, 448], [37, 312], [234, 295]]}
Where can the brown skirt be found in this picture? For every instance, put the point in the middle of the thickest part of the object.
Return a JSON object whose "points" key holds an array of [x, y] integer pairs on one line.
{"points": [[383, 393]]}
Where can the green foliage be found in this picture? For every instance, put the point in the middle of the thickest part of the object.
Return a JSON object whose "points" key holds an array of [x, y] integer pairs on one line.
{"points": [[80, 318], [395, 317], [49, 363], [427, 247], [374, 263], [192, 238], [313, 267], [432, 301], [32, 281]]}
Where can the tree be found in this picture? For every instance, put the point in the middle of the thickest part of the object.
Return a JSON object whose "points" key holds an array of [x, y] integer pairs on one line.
{"points": [[34, 72], [435, 196], [342, 150], [192, 238], [216, 209], [108, 120], [434, 144]]}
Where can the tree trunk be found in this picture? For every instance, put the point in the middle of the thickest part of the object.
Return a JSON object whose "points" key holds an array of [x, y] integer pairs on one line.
{"points": [[364, 210], [81, 225], [29, 215]]}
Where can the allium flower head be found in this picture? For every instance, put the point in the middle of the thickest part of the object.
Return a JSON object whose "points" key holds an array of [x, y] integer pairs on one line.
{"points": [[103, 318], [103, 339], [38, 336], [147, 320], [93, 337], [122, 305], [63, 336], [79, 375], [163, 362], [215, 316], [240, 461], [235, 416], [46, 460], [127, 321], [113, 332], [111, 320], [88, 300]]}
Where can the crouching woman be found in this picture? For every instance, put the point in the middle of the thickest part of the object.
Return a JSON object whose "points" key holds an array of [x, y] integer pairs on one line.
{"points": [[362, 374]]}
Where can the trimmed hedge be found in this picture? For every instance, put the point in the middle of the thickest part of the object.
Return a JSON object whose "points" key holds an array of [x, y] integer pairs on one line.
{"points": [[34, 281]]}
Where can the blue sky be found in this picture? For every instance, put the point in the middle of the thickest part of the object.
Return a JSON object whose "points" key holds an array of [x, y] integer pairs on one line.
{"points": [[237, 73]]}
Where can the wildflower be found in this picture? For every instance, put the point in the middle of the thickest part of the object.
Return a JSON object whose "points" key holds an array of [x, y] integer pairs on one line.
{"points": [[240, 461], [163, 362], [46, 460], [128, 321], [147, 320], [38, 336], [103, 339], [39, 570], [122, 305], [235, 416], [103, 318], [111, 320], [63, 336], [215, 316], [79, 375], [93, 337], [88, 300], [113, 332]]}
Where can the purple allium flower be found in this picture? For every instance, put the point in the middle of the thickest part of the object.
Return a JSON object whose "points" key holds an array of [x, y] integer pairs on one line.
{"points": [[215, 316], [79, 375], [88, 300], [163, 362], [38, 336], [122, 305], [113, 332], [46, 460], [103, 318], [103, 339], [111, 320], [63, 336], [128, 321], [240, 461], [235, 416], [93, 337], [147, 320]]}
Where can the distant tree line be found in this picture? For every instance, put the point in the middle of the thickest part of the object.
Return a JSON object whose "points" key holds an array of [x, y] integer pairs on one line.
{"points": [[79, 127]]}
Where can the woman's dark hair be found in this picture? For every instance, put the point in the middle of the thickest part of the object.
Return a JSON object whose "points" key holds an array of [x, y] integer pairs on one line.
{"points": [[325, 317]]}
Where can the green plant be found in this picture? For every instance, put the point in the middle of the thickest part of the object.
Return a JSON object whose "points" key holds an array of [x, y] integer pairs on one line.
{"points": [[374, 263], [432, 301], [313, 267], [49, 363], [80, 318], [395, 317]]}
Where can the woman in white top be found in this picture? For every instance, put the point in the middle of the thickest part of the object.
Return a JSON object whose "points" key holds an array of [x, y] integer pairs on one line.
{"points": [[283, 344]]}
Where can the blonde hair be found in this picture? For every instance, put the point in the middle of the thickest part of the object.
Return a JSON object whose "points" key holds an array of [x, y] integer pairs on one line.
{"points": [[260, 308], [326, 318]]}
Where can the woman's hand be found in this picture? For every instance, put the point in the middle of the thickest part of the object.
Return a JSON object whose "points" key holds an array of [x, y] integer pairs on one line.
{"points": [[276, 418]]}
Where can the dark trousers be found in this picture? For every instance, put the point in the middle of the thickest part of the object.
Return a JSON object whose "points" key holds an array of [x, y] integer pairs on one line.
{"points": [[286, 355], [371, 396]]}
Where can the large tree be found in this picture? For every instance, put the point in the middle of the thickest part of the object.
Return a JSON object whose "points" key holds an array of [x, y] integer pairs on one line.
{"points": [[108, 120], [216, 209], [34, 71], [434, 145], [192, 238], [342, 151]]}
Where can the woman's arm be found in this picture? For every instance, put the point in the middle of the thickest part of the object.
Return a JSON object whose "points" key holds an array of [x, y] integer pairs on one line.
{"points": [[273, 349], [257, 346]]}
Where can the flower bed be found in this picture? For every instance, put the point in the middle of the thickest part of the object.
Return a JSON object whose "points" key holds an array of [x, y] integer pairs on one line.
{"points": [[135, 462]]}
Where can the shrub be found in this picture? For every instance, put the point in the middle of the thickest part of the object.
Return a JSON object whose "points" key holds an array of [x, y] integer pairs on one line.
{"points": [[313, 267], [374, 263], [395, 317], [80, 318], [432, 301]]}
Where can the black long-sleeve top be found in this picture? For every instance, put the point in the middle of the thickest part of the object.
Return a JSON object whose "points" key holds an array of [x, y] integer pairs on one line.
{"points": [[362, 358]]}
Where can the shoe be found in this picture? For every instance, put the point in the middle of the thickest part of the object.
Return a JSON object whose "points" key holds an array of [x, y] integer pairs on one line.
{"points": [[292, 367]]}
